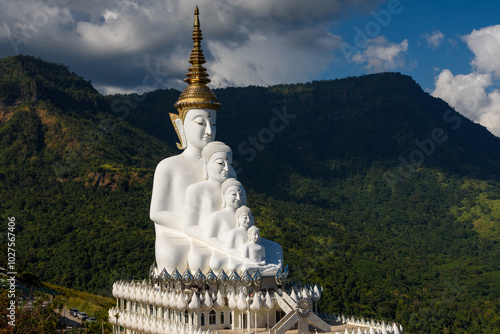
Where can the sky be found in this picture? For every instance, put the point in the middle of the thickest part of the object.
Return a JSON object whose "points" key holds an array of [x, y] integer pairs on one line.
{"points": [[451, 48]]}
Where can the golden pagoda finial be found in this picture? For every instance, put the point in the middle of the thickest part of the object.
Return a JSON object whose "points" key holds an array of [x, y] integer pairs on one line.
{"points": [[196, 17], [197, 73], [197, 94]]}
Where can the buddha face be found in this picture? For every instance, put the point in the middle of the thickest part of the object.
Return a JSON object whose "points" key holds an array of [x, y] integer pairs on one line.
{"points": [[219, 165], [199, 127], [233, 196], [245, 220], [255, 236]]}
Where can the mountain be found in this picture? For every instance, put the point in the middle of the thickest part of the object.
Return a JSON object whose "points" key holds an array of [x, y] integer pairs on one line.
{"points": [[63, 152], [375, 189]]}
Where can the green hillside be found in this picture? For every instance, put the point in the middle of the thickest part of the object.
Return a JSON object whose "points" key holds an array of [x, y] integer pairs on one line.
{"points": [[375, 189], [76, 177]]}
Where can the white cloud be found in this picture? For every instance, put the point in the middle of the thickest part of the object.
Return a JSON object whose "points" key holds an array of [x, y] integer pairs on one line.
{"points": [[469, 95], [473, 94], [434, 39], [485, 43], [110, 15], [109, 41], [466, 93], [268, 59], [381, 54]]}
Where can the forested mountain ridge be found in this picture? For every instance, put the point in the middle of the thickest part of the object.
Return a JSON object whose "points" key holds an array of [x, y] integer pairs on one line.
{"points": [[416, 243]]}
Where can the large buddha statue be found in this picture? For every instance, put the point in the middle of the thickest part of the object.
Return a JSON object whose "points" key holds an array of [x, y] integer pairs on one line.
{"points": [[191, 214], [195, 126]]}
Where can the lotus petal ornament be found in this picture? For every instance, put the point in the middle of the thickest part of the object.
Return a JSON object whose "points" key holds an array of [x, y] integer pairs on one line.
{"points": [[268, 303], [234, 279], [232, 301], [294, 296], [165, 301], [144, 295], [152, 271], [158, 298], [207, 302], [199, 278], [279, 277], [138, 293], [256, 305], [242, 302], [222, 278], [151, 297], [126, 291], [195, 303], [176, 276], [316, 294], [114, 293], [210, 279], [219, 301], [257, 278], [187, 277], [246, 279], [140, 324], [181, 304], [165, 276]]}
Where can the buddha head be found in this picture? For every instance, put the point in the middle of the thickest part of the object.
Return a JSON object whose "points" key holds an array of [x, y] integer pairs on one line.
{"points": [[244, 217], [197, 106], [232, 193], [253, 234], [216, 161], [199, 127]]}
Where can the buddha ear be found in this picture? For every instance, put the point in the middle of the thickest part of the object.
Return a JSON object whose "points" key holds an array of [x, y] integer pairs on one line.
{"points": [[204, 169], [179, 129]]}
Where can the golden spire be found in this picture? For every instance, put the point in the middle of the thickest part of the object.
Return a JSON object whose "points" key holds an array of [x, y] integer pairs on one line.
{"points": [[197, 94], [197, 73]]}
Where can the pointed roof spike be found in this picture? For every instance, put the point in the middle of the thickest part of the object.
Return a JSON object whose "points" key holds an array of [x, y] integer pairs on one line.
{"points": [[196, 18], [197, 94]]}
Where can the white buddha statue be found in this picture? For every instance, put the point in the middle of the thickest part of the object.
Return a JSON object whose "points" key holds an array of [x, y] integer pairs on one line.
{"points": [[223, 221], [195, 125], [197, 226], [253, 253], [203, 198], [237, 237], [253, 250]]}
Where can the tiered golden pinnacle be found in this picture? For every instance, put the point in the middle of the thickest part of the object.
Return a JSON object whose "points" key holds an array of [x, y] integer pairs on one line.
{"points": [[197, 94]]}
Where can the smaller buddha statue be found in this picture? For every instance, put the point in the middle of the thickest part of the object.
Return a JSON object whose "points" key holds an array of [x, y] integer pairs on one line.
{"points": [[223, 221], [253, 250], [203, 198], [237, 237]]}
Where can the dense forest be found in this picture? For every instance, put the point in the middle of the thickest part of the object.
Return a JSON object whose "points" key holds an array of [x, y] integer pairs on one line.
{"points": [[376, 190]]}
